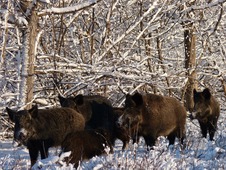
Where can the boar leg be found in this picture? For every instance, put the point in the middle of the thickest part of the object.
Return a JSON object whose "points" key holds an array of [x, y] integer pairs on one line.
{"points": [[44, 146], [125, 144], [203, 127], [182, 137], [150, 142], [212, 130], [171, 137], [33, 151], [136, 139]]}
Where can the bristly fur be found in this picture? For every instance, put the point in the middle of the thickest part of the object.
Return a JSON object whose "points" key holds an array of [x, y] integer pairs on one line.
{"points": [[153, 116], [53, 123], [86, 144], [98, 113], [207, 111], [45, 128]]}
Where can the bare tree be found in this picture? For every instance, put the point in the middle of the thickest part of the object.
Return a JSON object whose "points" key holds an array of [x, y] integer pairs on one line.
{"points": [[114, 48], [190, 57], [190, 63]]}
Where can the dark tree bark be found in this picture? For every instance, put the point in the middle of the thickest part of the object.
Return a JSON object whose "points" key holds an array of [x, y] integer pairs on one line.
{"points": [[33, 27], [190, 63]]}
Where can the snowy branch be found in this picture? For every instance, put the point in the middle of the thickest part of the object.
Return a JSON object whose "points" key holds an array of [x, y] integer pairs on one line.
{"points": [[72, 9], [202, 7], [150, 9]]}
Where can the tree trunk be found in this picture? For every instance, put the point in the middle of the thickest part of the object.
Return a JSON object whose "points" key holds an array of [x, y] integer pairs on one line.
{"points": [[33, 27], [223, 86], [159, 49], [190, 62], [28, 59]]}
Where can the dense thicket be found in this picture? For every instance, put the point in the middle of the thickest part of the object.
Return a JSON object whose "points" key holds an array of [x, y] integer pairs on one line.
{"points": [[111, 48]]}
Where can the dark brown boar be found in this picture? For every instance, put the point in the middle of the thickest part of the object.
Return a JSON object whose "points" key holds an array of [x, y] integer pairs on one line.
{"points": [[206, 111], [153, 116], [44, 128], [98, 113], [86, 144], [97, 110], [84, 104]]}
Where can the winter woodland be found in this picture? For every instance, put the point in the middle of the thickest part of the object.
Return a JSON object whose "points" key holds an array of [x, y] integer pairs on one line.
{"points": [[111, 48]]}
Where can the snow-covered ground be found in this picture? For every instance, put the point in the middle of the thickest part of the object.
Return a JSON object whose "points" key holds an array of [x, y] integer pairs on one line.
{"points": [[200, 153]]}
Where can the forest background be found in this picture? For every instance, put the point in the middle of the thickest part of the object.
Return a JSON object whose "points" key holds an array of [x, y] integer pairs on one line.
{"points": [[110, 48]]}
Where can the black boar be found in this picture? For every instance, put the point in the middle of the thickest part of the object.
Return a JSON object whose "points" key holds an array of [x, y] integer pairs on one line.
{"points": [[44, 128], [86, 144], [84, 104], [98, 113], [206, 111], [153, 116]]}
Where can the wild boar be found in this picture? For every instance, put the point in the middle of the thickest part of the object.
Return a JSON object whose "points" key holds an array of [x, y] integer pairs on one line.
{"points": [[153, 116], [44, 128], [206, 111]]}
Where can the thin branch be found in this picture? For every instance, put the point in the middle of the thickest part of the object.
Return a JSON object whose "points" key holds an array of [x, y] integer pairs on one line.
{"points": [[66, 10]]}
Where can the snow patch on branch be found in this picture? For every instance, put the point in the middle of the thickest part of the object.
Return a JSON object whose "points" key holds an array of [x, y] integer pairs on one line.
{"points": [[69, 9]]}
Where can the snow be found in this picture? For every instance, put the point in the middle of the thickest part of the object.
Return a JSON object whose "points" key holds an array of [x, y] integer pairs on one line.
{"points": [[199, 153], [77, 7], [127, 68], [45, 1]]}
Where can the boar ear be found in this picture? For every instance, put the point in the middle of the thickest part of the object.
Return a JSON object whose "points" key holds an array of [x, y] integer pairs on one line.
{"points": [[61, 99], [33, 111], [195, 94], [11, 114], [79, 99], [138, 99], [206, 93], [129, 101]]}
